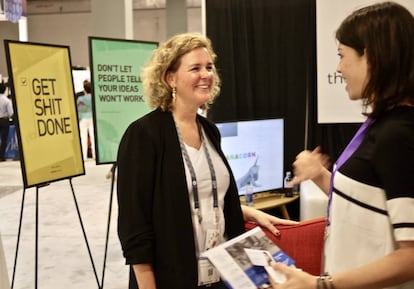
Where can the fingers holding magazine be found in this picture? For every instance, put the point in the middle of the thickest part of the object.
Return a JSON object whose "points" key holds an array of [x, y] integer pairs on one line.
{"points": [[244, 262], [294, 278]]}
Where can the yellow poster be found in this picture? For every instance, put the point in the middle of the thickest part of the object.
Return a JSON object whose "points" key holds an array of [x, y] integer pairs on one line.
{"points": [[46, 113]]}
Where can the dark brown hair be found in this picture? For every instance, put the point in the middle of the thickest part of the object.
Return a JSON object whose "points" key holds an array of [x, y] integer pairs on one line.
{"points": [[385, 32], [3, 86], [87, 86]]}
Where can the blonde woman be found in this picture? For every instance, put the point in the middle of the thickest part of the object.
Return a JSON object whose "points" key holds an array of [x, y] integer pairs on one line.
{"points": [[177, 195]]}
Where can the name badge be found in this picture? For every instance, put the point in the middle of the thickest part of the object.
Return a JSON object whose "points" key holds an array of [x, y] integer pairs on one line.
{"points": [[207, 273], [212, 238]]}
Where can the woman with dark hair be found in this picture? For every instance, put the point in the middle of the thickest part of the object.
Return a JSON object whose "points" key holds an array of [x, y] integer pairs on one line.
{"points": [[370, 227]]}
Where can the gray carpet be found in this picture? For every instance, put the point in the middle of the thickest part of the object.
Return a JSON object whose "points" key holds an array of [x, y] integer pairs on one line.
{"points": [[5, 190], [64, 262]]}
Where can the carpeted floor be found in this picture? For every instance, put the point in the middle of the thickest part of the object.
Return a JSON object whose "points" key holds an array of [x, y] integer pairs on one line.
{"points": [[63, 258]]}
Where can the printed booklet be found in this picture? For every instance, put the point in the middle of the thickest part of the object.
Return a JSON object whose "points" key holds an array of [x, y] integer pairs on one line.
{"points": [[243, 262]]}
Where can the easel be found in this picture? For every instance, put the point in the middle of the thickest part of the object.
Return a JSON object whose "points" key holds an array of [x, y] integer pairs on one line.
{"points": [[37, 234], [113, 169], [43, 95]]}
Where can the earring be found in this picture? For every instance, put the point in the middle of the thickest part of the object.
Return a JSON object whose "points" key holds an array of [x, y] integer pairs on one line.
{"points": [[174, 93]]}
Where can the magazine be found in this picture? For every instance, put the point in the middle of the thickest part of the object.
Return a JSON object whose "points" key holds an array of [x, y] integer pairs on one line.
{"points": [[243, 262]]}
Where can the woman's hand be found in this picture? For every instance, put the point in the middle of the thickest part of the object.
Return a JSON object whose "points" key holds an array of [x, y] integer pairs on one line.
{"points": [[265, 220], [295, 278], [310, 165]]}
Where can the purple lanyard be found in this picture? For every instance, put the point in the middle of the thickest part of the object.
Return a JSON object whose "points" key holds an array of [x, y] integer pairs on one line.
{"points": [[349, 150]]}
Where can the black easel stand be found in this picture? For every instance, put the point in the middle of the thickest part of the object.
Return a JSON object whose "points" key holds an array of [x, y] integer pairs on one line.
{"points": [[113, 168], [18, 239], [37, 235], [84, 233]]}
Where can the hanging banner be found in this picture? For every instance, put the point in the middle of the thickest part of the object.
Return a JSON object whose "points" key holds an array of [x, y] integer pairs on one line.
{"points": [[45, 111], [14, 9], [117, 92], [334, 105]]}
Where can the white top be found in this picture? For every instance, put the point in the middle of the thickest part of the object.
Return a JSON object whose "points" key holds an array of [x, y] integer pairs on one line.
{"points": [[372, 203], [200, 164], [6, 107]]}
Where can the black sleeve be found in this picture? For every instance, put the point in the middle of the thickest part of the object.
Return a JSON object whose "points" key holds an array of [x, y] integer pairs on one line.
{"points": [[135, 183], [393, 159]]}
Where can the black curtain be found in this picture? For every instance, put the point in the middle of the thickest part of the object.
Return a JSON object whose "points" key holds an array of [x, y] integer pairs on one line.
{"points": [[267, 61]]}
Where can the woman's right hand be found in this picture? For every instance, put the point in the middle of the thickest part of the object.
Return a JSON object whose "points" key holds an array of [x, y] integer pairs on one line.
{"points": [[295, 279], [310, 165]]}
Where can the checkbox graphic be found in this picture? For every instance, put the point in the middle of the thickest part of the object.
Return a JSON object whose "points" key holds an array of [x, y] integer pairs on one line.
{"points": [[23, 81]]}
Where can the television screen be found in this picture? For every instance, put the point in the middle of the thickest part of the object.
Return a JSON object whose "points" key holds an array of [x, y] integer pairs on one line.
{"points": [[254, 149]]}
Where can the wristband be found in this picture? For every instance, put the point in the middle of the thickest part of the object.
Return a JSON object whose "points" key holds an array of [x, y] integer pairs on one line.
{"points": [[321, 282]]}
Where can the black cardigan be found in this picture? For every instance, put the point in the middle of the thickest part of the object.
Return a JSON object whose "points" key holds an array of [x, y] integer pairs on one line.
{"points": [[154, 221]]}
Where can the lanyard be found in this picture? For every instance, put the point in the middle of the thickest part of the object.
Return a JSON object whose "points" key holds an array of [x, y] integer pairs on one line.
{"points": [[349, 150], [193, 175]]}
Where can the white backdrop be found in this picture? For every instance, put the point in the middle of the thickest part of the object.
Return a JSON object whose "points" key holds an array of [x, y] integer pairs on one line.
{"points": [[334, 105], [78, 77]]}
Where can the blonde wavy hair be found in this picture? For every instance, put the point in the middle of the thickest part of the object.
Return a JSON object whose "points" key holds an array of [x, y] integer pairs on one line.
{"points": [[167, 58]]}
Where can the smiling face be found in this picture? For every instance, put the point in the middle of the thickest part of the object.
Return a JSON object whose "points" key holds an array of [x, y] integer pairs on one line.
{"points": [[354, 70], [193, 79]]}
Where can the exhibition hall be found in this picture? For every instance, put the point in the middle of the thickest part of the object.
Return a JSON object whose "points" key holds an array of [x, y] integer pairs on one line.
{"points": [[206, 144]]}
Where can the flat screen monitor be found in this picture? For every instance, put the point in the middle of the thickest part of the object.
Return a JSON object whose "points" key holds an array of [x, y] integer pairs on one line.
{"points": [[254, 150]]}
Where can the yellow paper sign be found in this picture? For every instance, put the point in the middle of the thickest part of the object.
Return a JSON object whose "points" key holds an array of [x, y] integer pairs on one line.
{"points": [[46, 113]]}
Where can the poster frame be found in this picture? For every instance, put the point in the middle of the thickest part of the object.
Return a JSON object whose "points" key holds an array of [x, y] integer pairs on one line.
{"points": [[52, 176], [124, 117]]}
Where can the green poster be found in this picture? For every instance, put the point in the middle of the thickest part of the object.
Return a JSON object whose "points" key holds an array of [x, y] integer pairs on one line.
{"points": [[117, 91]]}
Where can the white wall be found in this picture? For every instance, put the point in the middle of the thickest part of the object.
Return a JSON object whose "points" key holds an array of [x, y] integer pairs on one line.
{"points": [[334, 105], [10, 31], [73, 29]]}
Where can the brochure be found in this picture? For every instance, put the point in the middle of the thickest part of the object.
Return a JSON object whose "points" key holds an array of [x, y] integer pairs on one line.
{"points": [[243, 262]]}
